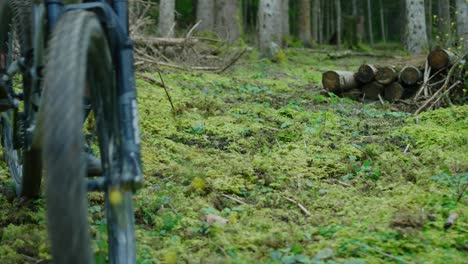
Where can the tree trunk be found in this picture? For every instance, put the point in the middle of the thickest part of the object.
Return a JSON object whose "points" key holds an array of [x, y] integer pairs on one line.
{"points": [[166, 18], [429, 22], [462, 24], [416, 40], [285, 17], [321, 22], [444, 22], [338, 81], [369, 22], [315, 20], [382, 22], [303, 22], [228, 20], [354, 3], [269, 27], [205, 11], [338, 23]]}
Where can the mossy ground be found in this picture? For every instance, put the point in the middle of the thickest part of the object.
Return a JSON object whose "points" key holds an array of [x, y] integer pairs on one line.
{"points": [[379, 184]]}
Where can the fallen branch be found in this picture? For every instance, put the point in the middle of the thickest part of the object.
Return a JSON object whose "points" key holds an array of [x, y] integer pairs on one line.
{"points": [[165, 41], [160, 84], [233, 60], [335, 181], [234, 199], [390, 256], [348, 53], [303, 209]]}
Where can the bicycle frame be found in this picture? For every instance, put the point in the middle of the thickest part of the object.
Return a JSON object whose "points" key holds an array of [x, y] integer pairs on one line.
{"points": [[114, 19]]}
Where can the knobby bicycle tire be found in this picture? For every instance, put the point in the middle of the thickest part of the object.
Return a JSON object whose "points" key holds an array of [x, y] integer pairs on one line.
{"points": [[79, 57]]}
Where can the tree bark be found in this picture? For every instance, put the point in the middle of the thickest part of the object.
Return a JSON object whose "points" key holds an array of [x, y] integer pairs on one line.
{"points": [[303, 22], [369, 21], [269, 27], [166, 18], [354, 3], [382, 22], [462, 24], [228, 20], [321, 22], [338, 81], [285, 17], [315, 20], [205, 14], [429, 22], [416, 40], [338, 23], [444, 22]]}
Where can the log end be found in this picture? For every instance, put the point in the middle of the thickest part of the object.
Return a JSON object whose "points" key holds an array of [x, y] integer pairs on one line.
{"points": [[331, 81], [385, 75], [410, 75], [366, 73], [393, 92], [439, 59], [372, 90]]}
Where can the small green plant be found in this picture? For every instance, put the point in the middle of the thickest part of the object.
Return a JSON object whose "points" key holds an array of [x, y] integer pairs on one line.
{"points": [[457, 182]]}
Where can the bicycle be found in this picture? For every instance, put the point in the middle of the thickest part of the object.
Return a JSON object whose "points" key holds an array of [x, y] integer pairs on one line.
{"points": [[60, 54]]}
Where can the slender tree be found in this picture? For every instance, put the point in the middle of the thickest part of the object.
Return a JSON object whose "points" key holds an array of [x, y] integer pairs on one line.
{"points": [[338, 22], [416, 40], [166, 18], [321, 22], [315, 20], [429, 21], [303, 22], [354, 3], [205, 14], [462, 23], [369, 22], [382, 22], [269, 27], [228, 20], [285, 17], [444, 22]]}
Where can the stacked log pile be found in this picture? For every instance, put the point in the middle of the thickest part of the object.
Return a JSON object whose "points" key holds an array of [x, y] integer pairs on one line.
{"points": [[438, 82]]}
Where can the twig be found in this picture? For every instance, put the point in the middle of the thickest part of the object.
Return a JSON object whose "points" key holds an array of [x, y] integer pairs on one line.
{"points": [[332, 181], [303, 209], [444, 93], [390, 256], [406, 149], [189, 34], [236, 58], [234, 199], [381, 99], [160, 84]]}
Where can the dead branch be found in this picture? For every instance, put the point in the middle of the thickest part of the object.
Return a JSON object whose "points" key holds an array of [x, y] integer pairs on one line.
{"points": [[348, 53], [164, 42], [303, 209], [234, 199], [233, 60]]}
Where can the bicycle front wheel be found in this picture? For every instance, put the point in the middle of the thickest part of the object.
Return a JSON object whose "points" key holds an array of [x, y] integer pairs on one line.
{"points": [[79, 62]]}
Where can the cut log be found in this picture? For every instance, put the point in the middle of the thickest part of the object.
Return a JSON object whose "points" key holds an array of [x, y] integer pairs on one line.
{"points": [[354, 94], [440, 58], [394, 91], [165, 41], [372, 90], [410, 75], [386, 75], [366, 73], [338, 81]]}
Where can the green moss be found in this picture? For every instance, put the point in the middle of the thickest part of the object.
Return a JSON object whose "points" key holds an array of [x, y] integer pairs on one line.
{"points": [[262, 132]]}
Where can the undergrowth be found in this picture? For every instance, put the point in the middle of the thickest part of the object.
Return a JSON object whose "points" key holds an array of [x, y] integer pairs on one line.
{"points": [[379, 185]]}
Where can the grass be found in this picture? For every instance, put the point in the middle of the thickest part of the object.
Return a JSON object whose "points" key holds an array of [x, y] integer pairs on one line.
{"points": [[261, 133]]}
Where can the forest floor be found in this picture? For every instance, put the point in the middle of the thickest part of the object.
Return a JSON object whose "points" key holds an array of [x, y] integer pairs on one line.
{"points": [[295, 176]]}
